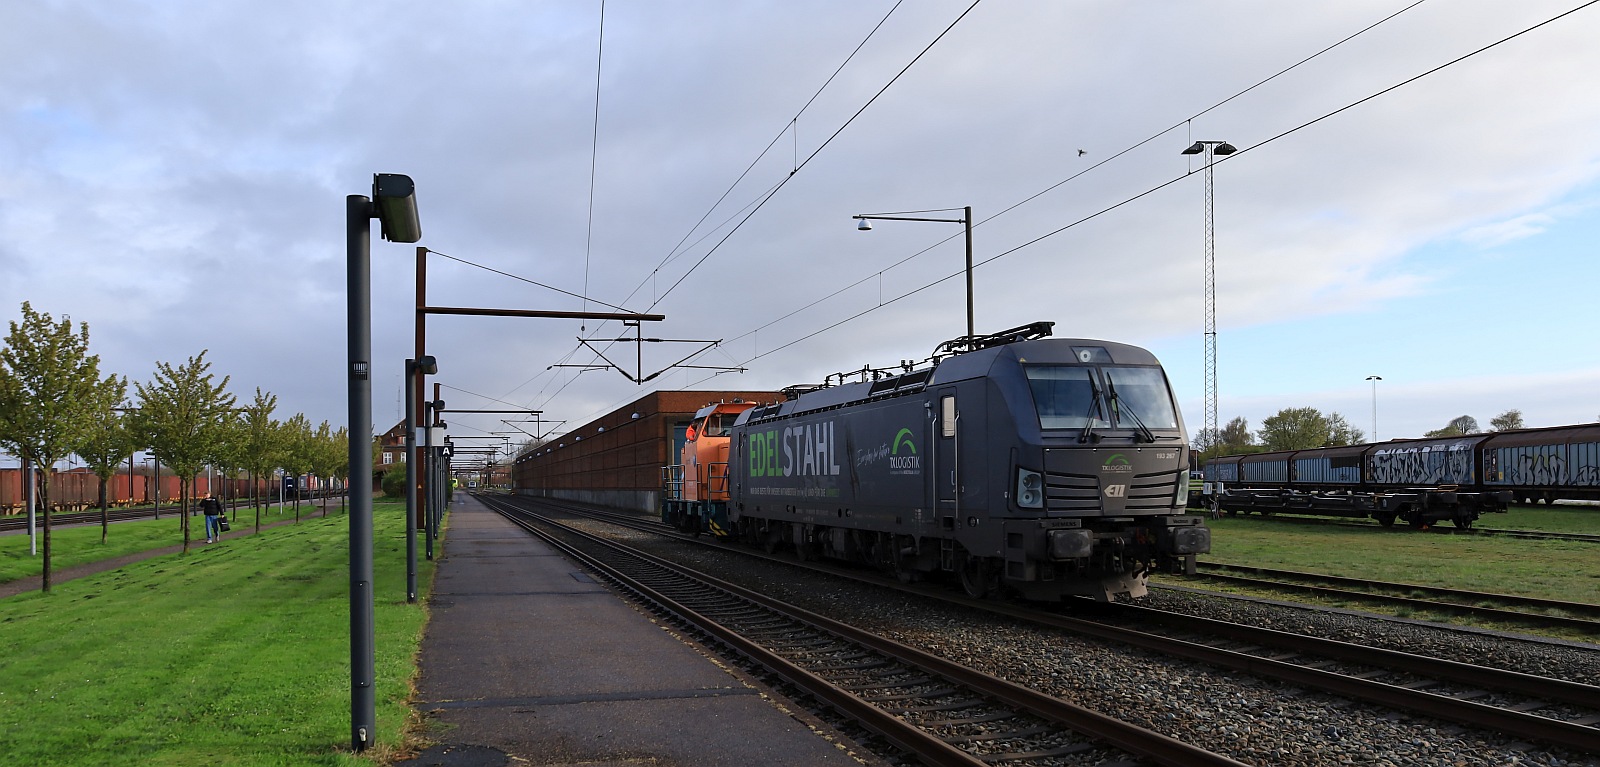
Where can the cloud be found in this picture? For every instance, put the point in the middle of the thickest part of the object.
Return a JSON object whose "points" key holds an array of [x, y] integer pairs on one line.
{"points": [[179, 174]]}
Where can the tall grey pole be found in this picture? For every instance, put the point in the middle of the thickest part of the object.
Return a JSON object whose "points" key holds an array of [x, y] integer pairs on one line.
{"points": [[27, 495], [363, 662], [427, 478], [1374, 380], [411, 482], [966, 218]]}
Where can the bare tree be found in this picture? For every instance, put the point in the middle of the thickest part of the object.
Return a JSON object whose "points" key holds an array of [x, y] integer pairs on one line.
{"points": [[1511, 419], [1460, 426]]}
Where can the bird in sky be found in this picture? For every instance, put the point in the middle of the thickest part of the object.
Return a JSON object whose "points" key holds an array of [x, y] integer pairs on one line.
{"points": [[1082, 152]]}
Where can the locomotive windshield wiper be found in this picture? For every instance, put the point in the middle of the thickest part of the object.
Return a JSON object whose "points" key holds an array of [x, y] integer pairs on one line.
{"points": [[1120, 407], [1088, 435]]}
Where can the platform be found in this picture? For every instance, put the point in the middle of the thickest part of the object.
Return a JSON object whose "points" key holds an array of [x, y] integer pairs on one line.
{"points": [[528, 660]]}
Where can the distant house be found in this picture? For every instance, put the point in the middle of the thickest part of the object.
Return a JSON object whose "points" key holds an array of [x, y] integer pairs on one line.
{"points": [[392, 452]]}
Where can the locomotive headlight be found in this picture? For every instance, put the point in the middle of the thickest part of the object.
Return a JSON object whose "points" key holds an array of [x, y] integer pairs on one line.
{"points": [[1070, 544], [1188, 540], [1030, 489]]}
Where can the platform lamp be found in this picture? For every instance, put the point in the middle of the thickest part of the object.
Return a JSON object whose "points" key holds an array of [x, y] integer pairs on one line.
{"points": [[426, 366], [965, 220], [394, 204]]}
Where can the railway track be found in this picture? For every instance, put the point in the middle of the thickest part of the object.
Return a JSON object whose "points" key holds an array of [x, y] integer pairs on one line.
{"points": [[1503, 608], [944, 713], [1525, 706], [1541, 535]]}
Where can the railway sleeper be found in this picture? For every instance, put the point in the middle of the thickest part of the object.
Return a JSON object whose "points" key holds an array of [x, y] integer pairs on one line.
{"points": [[1071, 749], [954, 705], [994, 717], [929, 694], [988, 737], [898, 685]]}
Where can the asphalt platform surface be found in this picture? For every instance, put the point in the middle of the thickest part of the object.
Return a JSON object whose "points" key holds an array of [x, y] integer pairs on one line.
{"points": [[528, 660]]}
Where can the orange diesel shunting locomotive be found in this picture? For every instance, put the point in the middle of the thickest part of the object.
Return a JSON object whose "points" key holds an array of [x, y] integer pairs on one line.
{"points": [[705, 454], [696, 490]]}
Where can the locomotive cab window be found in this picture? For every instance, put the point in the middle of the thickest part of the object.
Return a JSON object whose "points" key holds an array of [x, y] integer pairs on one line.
{"points": [[716, 425], [1073, 397], [1140, 395], [1066, 397]]}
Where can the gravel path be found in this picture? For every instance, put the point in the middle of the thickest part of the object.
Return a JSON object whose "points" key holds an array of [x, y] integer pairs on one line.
{"points": [[1253, 720]]}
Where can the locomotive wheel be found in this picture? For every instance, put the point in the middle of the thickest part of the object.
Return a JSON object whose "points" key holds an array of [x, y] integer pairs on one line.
{"points": [[975, 577], [772, 540], [902, 573]]}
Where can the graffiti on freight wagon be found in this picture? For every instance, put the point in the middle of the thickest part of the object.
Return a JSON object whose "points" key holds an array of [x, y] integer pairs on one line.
{"points": [[1426, 465], [1537, 469], [1587, 475]]}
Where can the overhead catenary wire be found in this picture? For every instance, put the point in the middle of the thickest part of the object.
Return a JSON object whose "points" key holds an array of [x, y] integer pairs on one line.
{"points": [[878, 274], [594, 154], [836, 324], [1153, 189], [767, 196], [761, 200]]}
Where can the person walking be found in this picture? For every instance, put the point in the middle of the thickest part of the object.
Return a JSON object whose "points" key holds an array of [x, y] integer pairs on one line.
{"points": [[212, 508]]}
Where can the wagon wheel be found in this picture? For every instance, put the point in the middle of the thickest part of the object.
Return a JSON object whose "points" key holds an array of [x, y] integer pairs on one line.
{"points": [[902, 573], [976, 578], [1386, 518], [1463, 520]]}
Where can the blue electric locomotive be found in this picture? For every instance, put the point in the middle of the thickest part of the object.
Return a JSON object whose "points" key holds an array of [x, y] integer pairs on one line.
{"points": [[1050, 467]]}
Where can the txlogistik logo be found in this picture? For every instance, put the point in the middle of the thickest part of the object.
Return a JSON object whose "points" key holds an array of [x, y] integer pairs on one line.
{"points": [[1116, 464], [903, 458]]}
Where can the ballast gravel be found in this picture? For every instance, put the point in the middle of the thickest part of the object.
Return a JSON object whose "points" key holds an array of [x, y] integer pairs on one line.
{"points": [[1254, 720]]}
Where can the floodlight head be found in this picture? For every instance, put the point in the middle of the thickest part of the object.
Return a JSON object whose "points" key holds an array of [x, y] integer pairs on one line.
{"points": [[428, 365], [438, 404], [864, 225], [1197, 148], [1224, 148], [395, 197]]}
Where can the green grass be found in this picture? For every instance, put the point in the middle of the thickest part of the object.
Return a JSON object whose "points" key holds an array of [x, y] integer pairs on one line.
{"points": [[1560, 518], [80, 544], [1567, 571], [235, 654]]}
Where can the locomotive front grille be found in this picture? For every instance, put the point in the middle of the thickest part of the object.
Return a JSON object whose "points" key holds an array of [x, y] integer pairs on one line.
{"points": [[1080, 492], [1071, 492]]}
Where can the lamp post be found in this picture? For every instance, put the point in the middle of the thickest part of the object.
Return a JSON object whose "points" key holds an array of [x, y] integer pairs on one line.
{"points": [[394, 204], [1374, 380], [414, 370], [965, 220], [1211, 149]]}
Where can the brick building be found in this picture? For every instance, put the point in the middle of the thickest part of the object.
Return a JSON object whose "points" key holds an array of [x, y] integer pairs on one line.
{"points": [[616, 459]]}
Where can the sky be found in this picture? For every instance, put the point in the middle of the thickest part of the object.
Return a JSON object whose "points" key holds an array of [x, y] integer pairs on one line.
{"points": [[174, 175]]}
